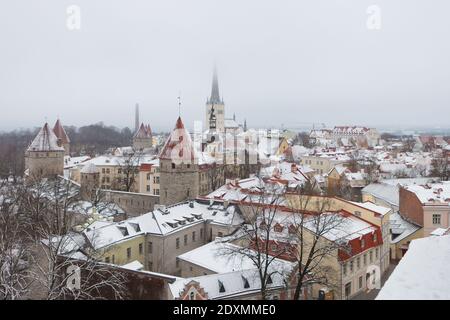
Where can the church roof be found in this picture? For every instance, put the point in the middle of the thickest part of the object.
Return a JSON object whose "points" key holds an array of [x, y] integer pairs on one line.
{"points": [[179, 145], [144, 131], [46, 140], [59, 131]]}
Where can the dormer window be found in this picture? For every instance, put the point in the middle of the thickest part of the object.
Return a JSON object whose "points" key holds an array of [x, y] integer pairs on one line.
{"points": [[278, 228], [221, 286], [292, 229], [246, 284]]}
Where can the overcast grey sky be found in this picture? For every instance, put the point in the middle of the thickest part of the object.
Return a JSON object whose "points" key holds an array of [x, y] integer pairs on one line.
{"points": [[278, 61]]}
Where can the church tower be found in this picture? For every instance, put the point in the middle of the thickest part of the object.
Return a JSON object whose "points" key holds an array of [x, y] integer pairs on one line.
{"points": [[44, 157], [178, 164], [215, 108]]}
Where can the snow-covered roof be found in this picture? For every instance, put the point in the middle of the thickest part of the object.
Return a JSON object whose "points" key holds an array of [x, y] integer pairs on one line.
{"points": [[422, 274], [350, 130], [218, 257], [401, 228], [70, 162], [165, 220], [386, 192], [232, 284], [440, 232], [45, 140], [432, 193], [134, 265], [373, 207], [179, 145], [89, 168]]}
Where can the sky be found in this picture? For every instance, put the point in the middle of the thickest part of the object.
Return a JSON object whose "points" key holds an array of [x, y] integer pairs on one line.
{"points": [[280, 63]]}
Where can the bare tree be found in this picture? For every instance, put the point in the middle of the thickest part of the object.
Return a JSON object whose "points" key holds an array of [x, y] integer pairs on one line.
{"points": [[14, 254], [128, 171], [310, 223], [440, 167], [257, 241], [69, 267]]}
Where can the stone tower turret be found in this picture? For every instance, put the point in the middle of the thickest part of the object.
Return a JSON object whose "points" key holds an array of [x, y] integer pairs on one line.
{"points": [[89, 181], [179, 170], [143, 138], [44, 157]]}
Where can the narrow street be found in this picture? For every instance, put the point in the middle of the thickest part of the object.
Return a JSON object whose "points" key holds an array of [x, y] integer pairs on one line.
{"points": [[371, 295]]}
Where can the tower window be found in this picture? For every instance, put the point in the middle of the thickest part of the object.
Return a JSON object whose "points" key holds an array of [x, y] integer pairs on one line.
{"points": [[173, 165]]}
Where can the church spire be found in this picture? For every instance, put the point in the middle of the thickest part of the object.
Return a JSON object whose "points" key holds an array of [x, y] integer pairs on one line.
{"points": [[215, 96]]}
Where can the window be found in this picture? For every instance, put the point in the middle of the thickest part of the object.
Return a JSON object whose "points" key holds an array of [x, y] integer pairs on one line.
{"points": [[103, 170], [113, 258], [148, 188], [376, 253], [107, 259], [177, 242], [360, 282], [148, 176], [351, 266], [193, 236], [173, 165], [363, 243], [201, 233], [108, 171], [358, 262], [365, 259], [150, 247], [141, 248], [375, 238], [185, 239], [436, 219], [192, 295], [128, 253], [344, 269], [150, 266]]}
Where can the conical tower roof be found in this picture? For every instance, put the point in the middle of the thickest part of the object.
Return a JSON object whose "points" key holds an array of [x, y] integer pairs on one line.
{"points": [[179, 146], [59, 131], [46, 140]]}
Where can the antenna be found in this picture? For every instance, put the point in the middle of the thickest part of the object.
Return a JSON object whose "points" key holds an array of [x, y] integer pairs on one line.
{"points": [[179, 104]]}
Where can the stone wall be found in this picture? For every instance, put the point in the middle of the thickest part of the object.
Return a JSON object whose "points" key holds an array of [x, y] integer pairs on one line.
{"points": [[134, 204]]}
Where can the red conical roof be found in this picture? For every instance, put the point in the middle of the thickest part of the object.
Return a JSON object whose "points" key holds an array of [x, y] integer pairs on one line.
{"points": [[179, 146], [59, 131]]}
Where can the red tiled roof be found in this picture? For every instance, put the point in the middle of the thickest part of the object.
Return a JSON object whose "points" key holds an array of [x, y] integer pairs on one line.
{"points": [[179, 146], [59, 131]]}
